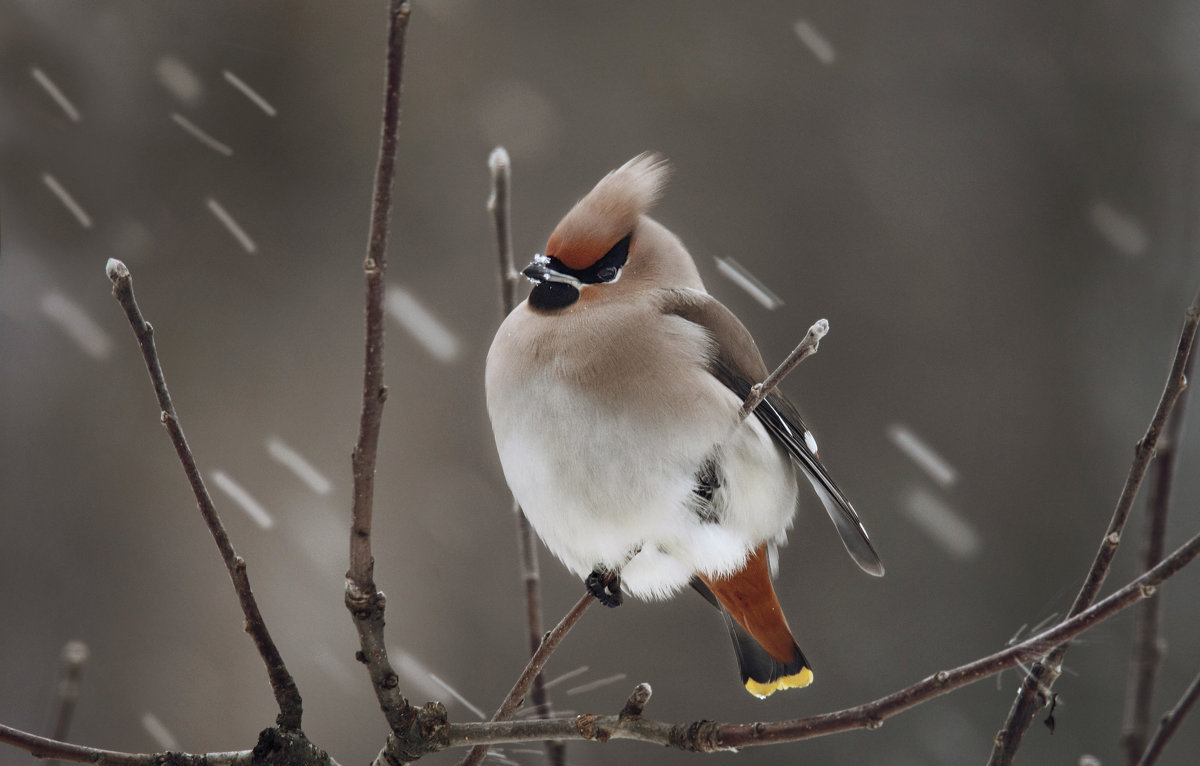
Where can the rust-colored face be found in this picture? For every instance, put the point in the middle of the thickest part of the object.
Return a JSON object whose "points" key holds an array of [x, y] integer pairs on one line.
{"points": [[577, 254]]}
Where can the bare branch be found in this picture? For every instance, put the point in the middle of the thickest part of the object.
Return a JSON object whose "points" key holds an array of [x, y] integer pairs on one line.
{"points": [[517, 694], [709, 735], [286, 693], [528, 552], [1148, 646], [498, 206], [274, 746], [74, 657], [362, 565], [1042, 675], [363, 599], [1170, 723], [42, 747], [807, 348]]}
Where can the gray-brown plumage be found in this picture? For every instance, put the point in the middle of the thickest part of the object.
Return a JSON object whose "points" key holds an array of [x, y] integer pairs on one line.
{"points": [[615, 393]]}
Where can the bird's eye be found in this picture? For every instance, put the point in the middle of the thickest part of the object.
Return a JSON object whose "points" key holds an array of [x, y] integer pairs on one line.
{"points": [[607, 274]]}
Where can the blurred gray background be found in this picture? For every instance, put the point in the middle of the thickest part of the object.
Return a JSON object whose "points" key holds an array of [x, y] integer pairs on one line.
{"points": [[994, 204]]}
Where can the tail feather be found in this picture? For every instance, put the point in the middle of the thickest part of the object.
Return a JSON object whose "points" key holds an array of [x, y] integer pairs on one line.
{"points": [[767, 654], [762, 674]]}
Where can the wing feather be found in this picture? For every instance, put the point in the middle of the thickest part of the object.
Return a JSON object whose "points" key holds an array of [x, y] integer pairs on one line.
{"points": [[738, 365]]}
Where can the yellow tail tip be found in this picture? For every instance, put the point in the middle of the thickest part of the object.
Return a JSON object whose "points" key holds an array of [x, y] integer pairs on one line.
{"points": [[794, 681]]}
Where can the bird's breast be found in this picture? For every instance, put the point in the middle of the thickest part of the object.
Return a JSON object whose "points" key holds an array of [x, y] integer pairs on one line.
{"points": [[601, 426]]}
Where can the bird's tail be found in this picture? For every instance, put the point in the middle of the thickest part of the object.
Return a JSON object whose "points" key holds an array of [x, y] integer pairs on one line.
{"points": [[767, 652]]}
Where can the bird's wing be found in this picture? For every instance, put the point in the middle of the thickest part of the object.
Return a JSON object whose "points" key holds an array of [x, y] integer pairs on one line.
{"points": [[738, 364]]}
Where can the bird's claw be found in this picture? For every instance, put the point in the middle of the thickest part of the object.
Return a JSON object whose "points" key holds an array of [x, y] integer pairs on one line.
{"points": [[606, 588]]}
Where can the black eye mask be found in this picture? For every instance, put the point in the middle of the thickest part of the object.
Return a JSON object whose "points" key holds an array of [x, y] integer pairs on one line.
{"points": [[557, 283]]}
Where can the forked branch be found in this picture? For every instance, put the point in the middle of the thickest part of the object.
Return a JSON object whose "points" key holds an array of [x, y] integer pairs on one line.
{"points": [[1148, 644], [1033, 695], [709, 736]]}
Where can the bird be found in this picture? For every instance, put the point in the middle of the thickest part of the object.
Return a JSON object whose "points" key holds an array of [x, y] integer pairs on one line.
{"points": [[614, 393]]}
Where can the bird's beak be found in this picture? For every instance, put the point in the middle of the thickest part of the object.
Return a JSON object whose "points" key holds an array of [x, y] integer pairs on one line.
{"points": [[536, 272], [540, 271]]}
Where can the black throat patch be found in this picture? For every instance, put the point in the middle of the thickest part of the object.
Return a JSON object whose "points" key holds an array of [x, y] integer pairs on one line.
{"points": [[552, 296]]}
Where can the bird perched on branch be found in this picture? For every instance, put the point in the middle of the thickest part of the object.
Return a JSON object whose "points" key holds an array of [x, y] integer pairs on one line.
{"points": [[615, 395]]}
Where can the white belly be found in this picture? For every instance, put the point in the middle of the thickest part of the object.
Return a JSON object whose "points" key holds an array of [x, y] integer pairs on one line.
{"points": [[606, 475]]}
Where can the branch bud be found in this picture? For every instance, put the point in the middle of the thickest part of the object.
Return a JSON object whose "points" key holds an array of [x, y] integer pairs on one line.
{"points": [[116, 270]]}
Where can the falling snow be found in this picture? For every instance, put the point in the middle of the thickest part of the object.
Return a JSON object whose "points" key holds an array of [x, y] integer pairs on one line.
{"points": [[243, 499], [77, 325], [741, 276], [915, 448], [159, 732], [1124, 232], [299, 465], [229, 223], [422, 325], [249, 93], [68, 201], [815, 41], [944, 525], [179, 80], [196, 132], [64, 103]]}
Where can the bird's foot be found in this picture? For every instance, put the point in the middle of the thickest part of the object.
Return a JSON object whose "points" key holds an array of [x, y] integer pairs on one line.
{"points": [[606, 587]]}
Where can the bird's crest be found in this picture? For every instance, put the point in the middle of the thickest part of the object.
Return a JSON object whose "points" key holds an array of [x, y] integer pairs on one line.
{"points": [[609, 211]]}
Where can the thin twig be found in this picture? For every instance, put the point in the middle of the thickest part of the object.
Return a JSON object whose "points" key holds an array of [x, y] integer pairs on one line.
{"points": [[74, 657], [517, 694], [363, 599], [1034, 692], [286, 693], [807, 347], [556, 752], [362, 565], [499, 206], [1148, 645], [710, 735], [273, 745], [1170, 723], [43, 747]]}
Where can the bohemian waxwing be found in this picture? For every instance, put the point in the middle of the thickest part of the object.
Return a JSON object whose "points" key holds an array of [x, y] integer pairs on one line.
{"points": [[614, 393]]}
